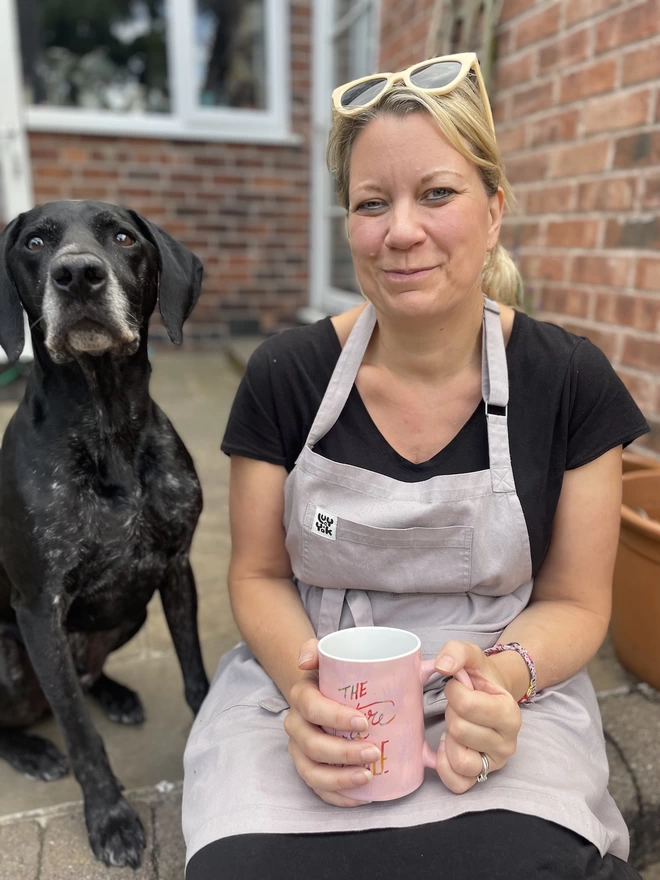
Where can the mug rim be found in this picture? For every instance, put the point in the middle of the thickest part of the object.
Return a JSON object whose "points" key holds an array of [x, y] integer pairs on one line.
{"points": [[325, 653]]}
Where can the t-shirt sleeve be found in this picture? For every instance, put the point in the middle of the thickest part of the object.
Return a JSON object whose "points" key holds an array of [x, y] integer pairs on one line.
{"points": [[602, 412], [252, 428]]}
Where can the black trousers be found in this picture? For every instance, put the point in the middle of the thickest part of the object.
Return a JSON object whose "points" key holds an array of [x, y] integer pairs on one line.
{"points": [[490, 845]]}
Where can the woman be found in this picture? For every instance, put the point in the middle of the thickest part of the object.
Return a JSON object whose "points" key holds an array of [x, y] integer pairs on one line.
{"points": [[436, 410]]}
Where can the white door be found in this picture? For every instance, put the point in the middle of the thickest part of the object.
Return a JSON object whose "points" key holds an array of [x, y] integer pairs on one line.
{"points": [[16, 193], [345, 47]]}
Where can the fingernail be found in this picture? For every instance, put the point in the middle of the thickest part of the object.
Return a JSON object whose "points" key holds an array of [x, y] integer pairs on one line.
{"points": [[362, 777], [359, 722], [305, 656], [370, 755], [445, 663], [442, 745]]}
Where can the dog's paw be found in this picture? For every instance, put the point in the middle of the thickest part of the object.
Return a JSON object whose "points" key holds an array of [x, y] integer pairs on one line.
{"points": [[116, 835], [38, 758], [118, 702]]}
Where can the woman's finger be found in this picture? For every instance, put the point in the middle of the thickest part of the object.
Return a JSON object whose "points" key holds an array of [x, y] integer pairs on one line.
{"points": [[319, 710], [457, 782], [500, 712], [325, 779], [324, 748]]}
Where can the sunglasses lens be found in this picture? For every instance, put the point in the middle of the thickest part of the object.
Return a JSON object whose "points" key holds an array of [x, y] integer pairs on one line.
{"points": [[363, 92], [437, 75]]}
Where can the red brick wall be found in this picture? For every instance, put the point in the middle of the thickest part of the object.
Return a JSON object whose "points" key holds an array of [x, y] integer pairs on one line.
{"points": [[578, 115], [243, 209], [404, 29]]}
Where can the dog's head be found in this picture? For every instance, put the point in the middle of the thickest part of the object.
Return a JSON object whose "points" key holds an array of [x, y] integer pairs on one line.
{"points": [[89, 274]]}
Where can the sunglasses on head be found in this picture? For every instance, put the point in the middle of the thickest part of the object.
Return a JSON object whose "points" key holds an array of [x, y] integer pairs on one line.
{"points": [[437, 76]]}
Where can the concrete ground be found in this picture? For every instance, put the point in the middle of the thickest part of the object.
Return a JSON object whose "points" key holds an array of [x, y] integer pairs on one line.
{"points": [[42, 834]]}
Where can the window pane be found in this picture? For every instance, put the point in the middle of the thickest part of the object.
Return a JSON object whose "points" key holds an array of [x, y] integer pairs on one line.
{"points": [[230, 44], [353, 49], [97, 54], [341, 264]]}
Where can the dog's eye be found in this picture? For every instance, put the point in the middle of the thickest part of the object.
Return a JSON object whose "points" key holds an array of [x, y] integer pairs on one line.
{"points": [[124, 239], [35, 243]]}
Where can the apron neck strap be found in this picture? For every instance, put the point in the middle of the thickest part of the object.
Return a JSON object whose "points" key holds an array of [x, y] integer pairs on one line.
{"points": [[343, 376]]}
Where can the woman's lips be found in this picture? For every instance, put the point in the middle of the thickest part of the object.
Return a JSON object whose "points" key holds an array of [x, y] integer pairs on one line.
{"points": [[407, 275]]}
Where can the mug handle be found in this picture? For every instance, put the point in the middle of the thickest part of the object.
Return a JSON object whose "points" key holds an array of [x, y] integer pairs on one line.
{"points": [[427, 669]]}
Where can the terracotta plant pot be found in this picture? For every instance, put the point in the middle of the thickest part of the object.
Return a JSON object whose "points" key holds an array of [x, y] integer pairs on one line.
{"points": [[634, 462], [636, 600]]}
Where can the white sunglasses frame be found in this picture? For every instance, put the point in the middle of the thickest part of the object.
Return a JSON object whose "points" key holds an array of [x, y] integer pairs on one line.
{"points": [[468, 61]]}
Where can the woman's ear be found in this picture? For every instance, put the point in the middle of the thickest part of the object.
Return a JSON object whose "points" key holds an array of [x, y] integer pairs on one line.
{"points": [[495, 214]]}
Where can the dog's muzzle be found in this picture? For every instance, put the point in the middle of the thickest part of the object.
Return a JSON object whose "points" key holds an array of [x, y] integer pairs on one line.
{"points": [[85, 309]]}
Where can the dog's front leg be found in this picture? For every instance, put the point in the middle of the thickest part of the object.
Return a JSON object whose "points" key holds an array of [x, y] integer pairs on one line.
{"points": [[179, 597], [115, 831]]}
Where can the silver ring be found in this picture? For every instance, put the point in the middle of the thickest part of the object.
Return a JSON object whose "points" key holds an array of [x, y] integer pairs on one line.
{"points": [[483, 776]]}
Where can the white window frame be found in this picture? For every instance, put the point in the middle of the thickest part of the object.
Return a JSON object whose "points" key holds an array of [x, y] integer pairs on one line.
{"points": [[188, 120], [325, 299]]}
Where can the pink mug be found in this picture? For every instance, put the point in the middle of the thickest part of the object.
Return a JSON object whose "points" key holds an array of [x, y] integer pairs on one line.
{"points": [[379, 671]]}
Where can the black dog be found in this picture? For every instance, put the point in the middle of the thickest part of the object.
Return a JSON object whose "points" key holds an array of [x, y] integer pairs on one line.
{"points": [[99, 497]]}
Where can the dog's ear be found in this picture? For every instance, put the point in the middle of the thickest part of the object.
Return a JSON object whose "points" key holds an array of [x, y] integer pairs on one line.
{"points": [[12, 333], [180, 277]]}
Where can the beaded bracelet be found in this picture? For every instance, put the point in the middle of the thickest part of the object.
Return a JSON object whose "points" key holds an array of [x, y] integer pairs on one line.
{"points": [[514, 646]]}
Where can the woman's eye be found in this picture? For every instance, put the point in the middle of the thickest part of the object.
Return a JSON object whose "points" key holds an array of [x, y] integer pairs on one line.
{"points": [[35, 243], [439, 194], [124, 239], [370, 205]]}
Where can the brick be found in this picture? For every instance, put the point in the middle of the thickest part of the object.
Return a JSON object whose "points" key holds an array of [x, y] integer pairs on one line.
{"points": [[605, 340], [512, 139], [555, 128], [501, 109], [616, 194], [543, 267], [585, 158], [565, 302], [626, 110], [527, 168], [648, 274], [606, 271], [643, 234], [537, 26], [638, 312], [641, 64], [637, 150], [573, 234], [514, 71], [564, 51], [627, 26], [651, 197], [531, 100], [591, 80], [640, 386], [515, 234], [512, 8], [578, 10], [641, 353], [549, 199]]}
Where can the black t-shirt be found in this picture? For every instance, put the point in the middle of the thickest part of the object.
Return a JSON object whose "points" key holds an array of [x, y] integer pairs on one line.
{"points": [[567, 406]]}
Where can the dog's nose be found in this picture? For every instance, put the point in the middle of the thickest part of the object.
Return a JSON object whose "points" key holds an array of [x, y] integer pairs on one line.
{"points": [[78, 274]]}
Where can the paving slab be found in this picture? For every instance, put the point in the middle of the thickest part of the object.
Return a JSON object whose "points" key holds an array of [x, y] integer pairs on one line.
{"points": [[66, 854], [20, 851], [632, 723], [170, 849]]}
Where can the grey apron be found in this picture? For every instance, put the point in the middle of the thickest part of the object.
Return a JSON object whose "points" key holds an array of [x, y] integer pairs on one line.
{"points": [[447, 558]]}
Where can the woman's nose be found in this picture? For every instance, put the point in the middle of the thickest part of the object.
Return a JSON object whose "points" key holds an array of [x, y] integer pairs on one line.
{"points": [[405, 228]]}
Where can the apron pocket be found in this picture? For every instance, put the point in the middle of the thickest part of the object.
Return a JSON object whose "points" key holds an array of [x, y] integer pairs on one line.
{"points": [[338, 553]]}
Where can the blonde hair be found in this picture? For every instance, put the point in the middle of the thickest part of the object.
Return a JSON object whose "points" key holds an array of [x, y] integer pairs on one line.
{"points": [[461, 118]]}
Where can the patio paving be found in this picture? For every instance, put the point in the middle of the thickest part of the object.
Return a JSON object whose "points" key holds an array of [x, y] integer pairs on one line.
{"points": [[42, 834]]}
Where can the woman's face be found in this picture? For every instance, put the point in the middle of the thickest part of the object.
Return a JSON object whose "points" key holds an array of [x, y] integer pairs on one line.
{"points": [[419, 219]]}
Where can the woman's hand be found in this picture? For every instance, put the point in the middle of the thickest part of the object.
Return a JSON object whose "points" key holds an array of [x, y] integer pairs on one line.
{"points": [[317, 755], [486, 719]]}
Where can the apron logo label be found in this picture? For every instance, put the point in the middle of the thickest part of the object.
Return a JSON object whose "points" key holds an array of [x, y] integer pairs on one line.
{"points": [[325, 524]]}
